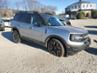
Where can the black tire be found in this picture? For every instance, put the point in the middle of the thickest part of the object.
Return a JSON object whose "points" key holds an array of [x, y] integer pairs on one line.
{"points": [[16, 36], [56, 47], [2, 29]]}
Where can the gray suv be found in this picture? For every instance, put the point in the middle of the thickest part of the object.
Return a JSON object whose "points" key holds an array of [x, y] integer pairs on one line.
{"points": [[49, 31]]}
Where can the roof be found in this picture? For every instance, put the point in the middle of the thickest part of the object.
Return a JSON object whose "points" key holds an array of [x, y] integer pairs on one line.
{"points": [[84, 2], [79, 3]]}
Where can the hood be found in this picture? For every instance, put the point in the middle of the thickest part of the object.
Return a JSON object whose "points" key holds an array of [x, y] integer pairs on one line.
{"points": [[71, 29]]}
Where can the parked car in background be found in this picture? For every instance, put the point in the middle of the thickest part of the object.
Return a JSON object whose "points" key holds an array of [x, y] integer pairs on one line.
{"points": [[65, 21], [49, 31], [1, 25], [7, 22]]}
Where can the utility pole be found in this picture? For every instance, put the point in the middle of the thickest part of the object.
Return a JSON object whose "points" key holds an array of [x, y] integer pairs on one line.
{"points": [[80, 4]]}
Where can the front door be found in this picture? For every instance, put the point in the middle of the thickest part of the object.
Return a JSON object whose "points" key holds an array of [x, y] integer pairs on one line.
{"points": [[38, 29]]}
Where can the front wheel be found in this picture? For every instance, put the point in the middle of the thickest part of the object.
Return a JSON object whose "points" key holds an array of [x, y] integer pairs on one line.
{"points": [[16, 36], [56, 47]]}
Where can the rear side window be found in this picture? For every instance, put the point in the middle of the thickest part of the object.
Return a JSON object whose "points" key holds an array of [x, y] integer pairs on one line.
{"points": [[23, 17]]}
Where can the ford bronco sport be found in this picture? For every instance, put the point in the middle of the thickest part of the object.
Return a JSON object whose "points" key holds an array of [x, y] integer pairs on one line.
{"points": [[48, 30]]}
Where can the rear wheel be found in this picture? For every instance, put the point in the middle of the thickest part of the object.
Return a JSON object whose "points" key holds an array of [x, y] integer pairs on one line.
{"points": [[56, 47], [16, 36]]}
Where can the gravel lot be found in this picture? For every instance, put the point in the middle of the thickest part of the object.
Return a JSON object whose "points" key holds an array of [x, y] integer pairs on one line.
{"points": [[28, 57]]}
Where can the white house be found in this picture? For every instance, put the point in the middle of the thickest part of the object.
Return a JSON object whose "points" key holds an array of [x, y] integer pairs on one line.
{"points": [[84, 6]]}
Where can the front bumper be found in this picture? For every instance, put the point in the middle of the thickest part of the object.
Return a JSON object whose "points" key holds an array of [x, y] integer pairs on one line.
{"points": [[75, 49]]}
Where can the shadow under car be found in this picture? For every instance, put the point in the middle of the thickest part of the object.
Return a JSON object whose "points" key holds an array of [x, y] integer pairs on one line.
{"points": [[92, 51], [8, 35], [94, 32], [91, 26]]}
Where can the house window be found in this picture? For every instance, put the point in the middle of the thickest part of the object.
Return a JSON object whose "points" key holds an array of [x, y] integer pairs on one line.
{"points": [[87, 5], [75, 6], [78, 6], [90, 5], [72, 7], [83, 6]]}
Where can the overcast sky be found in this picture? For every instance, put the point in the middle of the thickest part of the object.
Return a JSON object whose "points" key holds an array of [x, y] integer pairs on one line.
{"points": [[60, 4]]}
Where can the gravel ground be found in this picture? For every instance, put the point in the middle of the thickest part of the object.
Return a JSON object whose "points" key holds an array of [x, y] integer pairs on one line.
{"points": [[28, 57]]}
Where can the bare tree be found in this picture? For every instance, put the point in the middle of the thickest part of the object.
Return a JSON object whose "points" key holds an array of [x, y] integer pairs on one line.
{"points": [[50, 9], [34, 5], [3, 3], [30, 4]]}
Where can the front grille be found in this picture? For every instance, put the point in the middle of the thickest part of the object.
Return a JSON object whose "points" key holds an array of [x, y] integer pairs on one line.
{"points": [[85, 37]]}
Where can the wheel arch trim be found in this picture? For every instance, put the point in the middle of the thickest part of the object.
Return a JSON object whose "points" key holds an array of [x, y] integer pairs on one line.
{"points": [[57, 37], [14, 28]]}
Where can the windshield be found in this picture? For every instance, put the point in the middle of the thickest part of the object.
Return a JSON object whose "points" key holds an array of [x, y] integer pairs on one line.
{"points": [[54, 21]]}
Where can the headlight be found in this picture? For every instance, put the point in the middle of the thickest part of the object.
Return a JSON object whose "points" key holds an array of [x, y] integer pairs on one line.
{"points": [[76, 37]]}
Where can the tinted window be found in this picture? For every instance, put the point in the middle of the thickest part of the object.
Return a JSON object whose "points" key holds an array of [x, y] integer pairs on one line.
{"points": [[23, 17], [17, 16], [27, 18], [38, 20]]}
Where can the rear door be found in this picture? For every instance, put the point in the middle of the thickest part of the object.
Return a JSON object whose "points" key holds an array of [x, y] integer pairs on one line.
{"points": [[25, 24]]}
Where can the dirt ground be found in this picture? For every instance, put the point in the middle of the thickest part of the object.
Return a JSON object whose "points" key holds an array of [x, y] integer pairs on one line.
{"points": [[27, 57]]}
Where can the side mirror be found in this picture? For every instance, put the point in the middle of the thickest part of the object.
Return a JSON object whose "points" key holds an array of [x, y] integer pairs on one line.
{"points": [[49, 24]]}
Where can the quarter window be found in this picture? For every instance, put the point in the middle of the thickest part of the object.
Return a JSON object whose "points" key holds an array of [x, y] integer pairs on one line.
{"points": [[17, 16]]}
